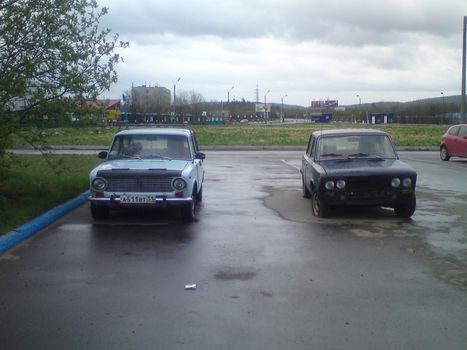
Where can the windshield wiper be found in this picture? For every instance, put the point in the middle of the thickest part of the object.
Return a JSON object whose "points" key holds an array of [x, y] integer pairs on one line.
{"points": [[341, 157], [359, 155], [331, 155], [377, 159], [156, 156], [127, 156]]}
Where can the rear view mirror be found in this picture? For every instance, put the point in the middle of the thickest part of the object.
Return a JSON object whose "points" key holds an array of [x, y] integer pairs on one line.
{"points": [[200, 155], [102, 154]]}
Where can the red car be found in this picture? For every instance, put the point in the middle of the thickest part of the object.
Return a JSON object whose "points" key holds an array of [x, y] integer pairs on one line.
{"points": [[454, 142]]}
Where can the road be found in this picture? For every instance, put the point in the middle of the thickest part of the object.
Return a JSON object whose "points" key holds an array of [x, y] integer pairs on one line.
{"points": [[269, 275]]}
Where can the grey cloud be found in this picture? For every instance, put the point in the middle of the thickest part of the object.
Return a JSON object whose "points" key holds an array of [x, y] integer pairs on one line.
{"points": [[350, 23]]}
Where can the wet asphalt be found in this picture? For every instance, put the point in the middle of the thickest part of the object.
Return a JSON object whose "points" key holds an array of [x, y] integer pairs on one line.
{"points": [[268, 274]]}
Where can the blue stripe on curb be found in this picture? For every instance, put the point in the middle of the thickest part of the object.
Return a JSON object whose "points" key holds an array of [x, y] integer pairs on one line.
{"points": [[27, 230]]}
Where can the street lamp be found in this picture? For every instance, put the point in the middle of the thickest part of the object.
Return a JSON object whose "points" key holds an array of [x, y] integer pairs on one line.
{"points": [[228, 94], [282, 107], [442, 94], [175, 84], [266, 118], [359, 106]]}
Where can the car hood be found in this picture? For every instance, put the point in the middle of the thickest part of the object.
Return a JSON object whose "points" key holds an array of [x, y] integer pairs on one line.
{"points": [[357, 167], [142, 164]]}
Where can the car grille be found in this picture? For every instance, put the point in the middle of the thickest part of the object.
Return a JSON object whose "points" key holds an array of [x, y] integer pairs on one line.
{"points": [[368, 187], [368, 183], [139, 181]]}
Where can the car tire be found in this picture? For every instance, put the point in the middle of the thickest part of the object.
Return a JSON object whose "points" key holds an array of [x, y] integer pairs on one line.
{"points": [[318, 207], [444, 154], [189, 211], [99, 212], [305, 192], [200, 195], [406, 210]]}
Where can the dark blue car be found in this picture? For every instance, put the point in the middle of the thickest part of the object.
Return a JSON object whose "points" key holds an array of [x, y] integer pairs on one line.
{"points": [[344, 167]]}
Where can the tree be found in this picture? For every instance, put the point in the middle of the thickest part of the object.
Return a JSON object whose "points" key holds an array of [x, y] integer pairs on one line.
{"points": [[189, 101], [52, 54]]}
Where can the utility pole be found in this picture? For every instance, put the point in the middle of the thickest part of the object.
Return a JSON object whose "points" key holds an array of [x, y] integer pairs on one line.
{"points": [[282, 107], [175, 103], [266, 117], [463, 120], [228, 94]]}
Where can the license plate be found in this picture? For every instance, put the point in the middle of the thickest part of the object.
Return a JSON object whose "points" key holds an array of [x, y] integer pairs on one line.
{"points": [[137, 199]]}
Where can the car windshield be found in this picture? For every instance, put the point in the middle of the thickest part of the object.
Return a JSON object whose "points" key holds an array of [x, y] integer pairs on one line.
{"points": [[355, 146], [150, 147]]}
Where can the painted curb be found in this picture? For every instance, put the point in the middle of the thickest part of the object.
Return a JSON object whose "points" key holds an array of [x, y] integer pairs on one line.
{"points": [[23, 232]]}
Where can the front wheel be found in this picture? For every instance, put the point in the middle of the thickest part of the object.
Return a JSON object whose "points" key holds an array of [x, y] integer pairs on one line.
{"points": [[318, 207], [406, 210], [305, 192], [444, 154], [188, 211]]}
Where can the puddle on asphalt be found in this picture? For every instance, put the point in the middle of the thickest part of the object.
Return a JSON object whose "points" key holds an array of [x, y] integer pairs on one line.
{"points": [[436, 233]]}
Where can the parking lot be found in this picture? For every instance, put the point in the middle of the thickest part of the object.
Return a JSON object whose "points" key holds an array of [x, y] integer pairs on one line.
{"points": [[268, 274]]}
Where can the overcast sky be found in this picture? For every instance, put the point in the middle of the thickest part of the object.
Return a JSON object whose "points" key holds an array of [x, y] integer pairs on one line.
{"points": [[381, 50]]}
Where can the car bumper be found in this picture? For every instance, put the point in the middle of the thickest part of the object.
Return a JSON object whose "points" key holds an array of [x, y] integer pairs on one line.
{"points": [[115, 201], [374, 198]]}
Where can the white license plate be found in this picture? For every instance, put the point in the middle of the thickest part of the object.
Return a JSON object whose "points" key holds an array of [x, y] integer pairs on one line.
{"points": [[137, 199]]}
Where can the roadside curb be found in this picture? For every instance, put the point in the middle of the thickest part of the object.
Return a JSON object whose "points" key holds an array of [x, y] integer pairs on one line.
{"points": [[23, 232]]}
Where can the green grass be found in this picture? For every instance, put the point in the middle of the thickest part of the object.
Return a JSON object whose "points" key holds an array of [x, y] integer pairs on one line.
{"points": [[30, 186], [260, 135]]}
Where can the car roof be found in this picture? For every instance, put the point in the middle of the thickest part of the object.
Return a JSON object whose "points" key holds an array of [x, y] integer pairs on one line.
{"points": [[155, 131], [335, 132]]}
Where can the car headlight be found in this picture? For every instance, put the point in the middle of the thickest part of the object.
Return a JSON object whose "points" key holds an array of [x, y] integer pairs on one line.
{"points": [[340, 184], [407, 182], [179, 184], [329, 185], [99, 184], [395, 182]]}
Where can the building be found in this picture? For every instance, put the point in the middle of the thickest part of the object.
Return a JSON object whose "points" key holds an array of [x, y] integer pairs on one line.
{"points": [[150, 99]]}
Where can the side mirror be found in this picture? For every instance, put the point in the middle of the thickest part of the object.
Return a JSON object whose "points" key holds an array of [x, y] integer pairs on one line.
{"points": [[200, 155], [465, 137], [103, 154]]}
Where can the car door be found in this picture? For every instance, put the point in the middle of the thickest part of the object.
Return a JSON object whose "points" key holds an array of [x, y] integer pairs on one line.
{"points": [[308, 159], [461, 142], [198, 162]]}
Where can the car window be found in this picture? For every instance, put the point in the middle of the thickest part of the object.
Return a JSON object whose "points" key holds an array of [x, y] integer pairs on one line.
{"points": [[348, 146], [463, 131], [453, 131], [195, 144], [309, 150], [150, 146]]}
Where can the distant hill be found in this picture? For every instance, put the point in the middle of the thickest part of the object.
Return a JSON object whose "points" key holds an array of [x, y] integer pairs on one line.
{"points": [[423, 102]]}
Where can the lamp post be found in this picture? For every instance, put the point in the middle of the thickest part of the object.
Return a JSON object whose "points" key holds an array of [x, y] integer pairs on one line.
{"points": [[282, 107], [228, 94], [266, 118], [442, 94], [359, 106], [175, 84], [463, 120]]}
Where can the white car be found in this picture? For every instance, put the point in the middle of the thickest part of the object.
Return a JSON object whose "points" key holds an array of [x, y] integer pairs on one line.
{"points": [[150, 167]]}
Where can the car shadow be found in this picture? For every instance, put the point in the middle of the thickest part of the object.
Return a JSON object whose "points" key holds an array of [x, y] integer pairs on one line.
{"points": [[143, 224]]}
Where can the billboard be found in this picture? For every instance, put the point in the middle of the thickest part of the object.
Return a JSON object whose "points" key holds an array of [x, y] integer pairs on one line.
{"points": [[259, 108], [316, 104], [331, 103], [324, 104]]}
